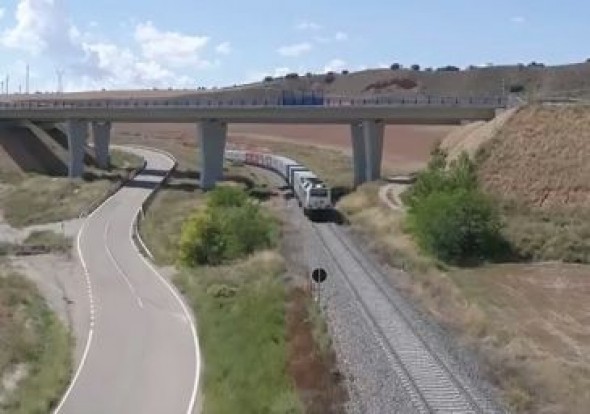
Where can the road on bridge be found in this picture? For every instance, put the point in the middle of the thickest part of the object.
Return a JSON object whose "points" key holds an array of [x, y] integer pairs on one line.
{"points": [[141, 354]]}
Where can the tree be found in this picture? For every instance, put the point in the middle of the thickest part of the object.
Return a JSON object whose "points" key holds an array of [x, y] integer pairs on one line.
{"points": [[330, 77], [415, 67], [516, 88], [448, 68], [395, 66], [268, 79], [457, 226], [292, 76], [345, 72], [201, 241]]}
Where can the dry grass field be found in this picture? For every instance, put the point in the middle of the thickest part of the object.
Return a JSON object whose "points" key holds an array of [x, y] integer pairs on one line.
{"points": [[541, 157]]}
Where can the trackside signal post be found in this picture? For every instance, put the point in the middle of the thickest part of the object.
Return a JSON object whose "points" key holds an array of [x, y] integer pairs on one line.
{"points": [[318, 276]]}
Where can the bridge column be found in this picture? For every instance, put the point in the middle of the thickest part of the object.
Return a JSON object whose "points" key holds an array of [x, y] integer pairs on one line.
{"points": [[373, 137], [359, 157], [101, 133], [77, 132], [212, 136]]}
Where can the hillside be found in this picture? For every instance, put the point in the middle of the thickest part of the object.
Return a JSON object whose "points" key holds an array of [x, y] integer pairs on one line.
{"points": [[572, 80], [541, 157], [536, 166]]}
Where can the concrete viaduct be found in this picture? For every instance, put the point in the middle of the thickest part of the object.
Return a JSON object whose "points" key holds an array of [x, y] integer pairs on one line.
{"points": [[366, 117]]}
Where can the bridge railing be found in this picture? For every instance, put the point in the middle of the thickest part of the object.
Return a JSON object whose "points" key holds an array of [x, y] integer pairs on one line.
{"points": [[391, 101]]}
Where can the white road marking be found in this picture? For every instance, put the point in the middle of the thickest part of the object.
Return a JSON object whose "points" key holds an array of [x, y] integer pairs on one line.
{"points": [[121, 272], [163, 280], [187, 313], [92, 308]]}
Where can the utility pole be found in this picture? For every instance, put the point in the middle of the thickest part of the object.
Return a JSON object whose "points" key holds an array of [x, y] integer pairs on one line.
{"points": [[7, 80]]}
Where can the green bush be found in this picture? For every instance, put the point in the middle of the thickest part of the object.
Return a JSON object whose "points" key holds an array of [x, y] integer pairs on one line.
{"points": [[230, 227], [456, 226], [448, 214], [202, 240], [225, 196], [460, 174]]}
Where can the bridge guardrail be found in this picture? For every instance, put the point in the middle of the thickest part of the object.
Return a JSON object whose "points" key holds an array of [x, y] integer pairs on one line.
{"points": [[417, 100]]}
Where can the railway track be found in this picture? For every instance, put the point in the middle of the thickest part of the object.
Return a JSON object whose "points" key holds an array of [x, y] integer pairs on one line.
{"points": [[430, 383]]}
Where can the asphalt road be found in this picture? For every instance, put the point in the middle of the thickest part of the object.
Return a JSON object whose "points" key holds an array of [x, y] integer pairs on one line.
{"points": [[141, 354]]}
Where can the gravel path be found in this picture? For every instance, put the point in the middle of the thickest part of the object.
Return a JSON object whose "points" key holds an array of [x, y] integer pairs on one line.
{"points": [[389, 195]]}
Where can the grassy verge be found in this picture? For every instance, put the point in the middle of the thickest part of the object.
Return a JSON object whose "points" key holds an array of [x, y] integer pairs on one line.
{"points": [[35, 341], [38, 199], [163, 222], [525, 320], [240, 309], [241, 316]]}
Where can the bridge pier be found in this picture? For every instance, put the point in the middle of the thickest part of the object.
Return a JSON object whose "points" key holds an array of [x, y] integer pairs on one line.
{"points": [[367, 150], [77, 132], [212, 136], [101, 134], [359, 158], [373, 134]]}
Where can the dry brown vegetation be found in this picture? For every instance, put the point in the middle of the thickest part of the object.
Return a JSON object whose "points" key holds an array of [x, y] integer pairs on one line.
{"points": [[526, 321], [541, 157]]}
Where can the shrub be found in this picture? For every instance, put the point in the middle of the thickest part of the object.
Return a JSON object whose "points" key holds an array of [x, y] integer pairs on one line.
{"points": [[345, 72], [448, 68], [534, 64], [246, 230], [201, 241], [268, 79], [292, 76], [231, 226], [415, 67], [330, 77], [449, 216], [516, 88], [225, 196], [456, 226], [461, 174]]}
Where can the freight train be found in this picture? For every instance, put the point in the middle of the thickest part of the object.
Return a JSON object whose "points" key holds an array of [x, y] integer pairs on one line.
{"points": [[311, 193]]}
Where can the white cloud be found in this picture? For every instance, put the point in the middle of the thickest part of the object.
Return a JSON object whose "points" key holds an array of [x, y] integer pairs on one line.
{"points": [[223, 48], [340, 36], [337, 37], [518, 19], [335, 65], [154, 58], [295, 50], [171, 48], [2, 12], [41, 25], [307, 25]]}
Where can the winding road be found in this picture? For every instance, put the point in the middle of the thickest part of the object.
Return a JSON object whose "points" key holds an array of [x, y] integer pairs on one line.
{"points": [[141, 354]]}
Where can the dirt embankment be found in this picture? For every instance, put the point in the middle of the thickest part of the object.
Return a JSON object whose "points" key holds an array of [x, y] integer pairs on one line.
{"points": [[540, 157]]}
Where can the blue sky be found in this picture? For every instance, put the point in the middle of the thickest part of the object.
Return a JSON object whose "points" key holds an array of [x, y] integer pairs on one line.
{"points": [[182, 43]]}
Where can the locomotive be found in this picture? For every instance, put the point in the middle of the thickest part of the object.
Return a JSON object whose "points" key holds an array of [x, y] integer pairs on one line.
{"points": [[311, 192]]}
